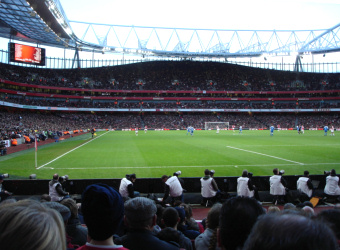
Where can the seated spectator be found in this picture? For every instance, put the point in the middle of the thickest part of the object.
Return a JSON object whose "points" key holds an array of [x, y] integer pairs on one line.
{"points": [[290, 232], [170, 235], [183, 227], [207, 239], [29, 225], [189, 219], [237, 217], [171, 219], [332, 218], [103, 211], [74, 229], [140, 218]]}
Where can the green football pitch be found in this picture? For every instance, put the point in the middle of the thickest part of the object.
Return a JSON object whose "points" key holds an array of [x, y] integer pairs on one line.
{"points": [[113, 154]]}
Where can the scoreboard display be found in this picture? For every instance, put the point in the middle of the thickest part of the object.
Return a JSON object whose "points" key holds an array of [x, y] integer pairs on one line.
{"points": [[26, 54]]}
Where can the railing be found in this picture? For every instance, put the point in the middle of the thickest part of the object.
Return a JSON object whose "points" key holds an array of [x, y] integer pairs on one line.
{"points": [[67, 63]]}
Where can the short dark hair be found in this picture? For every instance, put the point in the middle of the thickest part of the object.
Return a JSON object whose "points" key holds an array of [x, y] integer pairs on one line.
{"points": [[170, 217], [290, 231], [306, 172], [333, 173], [207, 172], [237, 217], [276, 171]]}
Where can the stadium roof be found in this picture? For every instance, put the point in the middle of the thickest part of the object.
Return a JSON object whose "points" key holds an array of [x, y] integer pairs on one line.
{"points": [[45, 22]]}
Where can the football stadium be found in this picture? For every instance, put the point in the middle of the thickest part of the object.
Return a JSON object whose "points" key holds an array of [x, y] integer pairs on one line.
{"points": [[134, 106]]}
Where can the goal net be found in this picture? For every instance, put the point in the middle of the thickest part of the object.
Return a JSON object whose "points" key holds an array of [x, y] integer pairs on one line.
{"points": [[214, 125]]}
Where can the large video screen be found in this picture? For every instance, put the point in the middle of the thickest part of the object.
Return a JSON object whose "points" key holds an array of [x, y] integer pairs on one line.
{"points": [[26, 54]]}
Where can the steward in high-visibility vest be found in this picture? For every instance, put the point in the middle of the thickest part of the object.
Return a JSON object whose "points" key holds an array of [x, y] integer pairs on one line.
{"points": [[14, 142]]}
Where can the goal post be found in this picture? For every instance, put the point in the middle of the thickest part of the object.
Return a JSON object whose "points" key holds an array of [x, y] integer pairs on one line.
{"points": [[213, 125]]}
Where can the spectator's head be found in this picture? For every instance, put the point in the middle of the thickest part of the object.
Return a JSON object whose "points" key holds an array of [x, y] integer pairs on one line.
{"points": [[276, 171], [290, 232], [170, 217], [273, 209], [289, 206], [63, 210], [212, 172], [45, 198], [103, 211], [140, 213], [187, 209], [207, 172], [306, 173], [181, 214], [238, 215], [214, 216], [72, 205], [332, 218], [28, 224], [245, 173]]}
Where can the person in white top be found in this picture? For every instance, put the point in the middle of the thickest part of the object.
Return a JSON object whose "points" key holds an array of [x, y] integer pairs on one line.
{"points": [[305, 187], [332, 131], [209, 189], [217, 130], [173, 188], [332, 184], [126, 188], [136, 131], [277, 186], [244, 185]]}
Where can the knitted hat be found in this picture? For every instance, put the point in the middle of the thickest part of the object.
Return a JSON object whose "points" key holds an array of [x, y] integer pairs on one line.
{"points": [[63, 210], [103, 210]]}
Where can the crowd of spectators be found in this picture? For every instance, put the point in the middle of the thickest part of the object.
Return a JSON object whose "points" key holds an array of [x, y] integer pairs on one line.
{"points": [[176, 75], [140, 223], [123, 104], [51, 123]]}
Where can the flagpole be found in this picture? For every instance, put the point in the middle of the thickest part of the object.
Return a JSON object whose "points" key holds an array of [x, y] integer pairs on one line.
{"points": [[36, 149]]}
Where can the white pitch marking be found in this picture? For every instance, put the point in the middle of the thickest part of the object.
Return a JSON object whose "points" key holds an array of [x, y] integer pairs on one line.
{"points": [[70, 151], [205, 166], [279, 158]]}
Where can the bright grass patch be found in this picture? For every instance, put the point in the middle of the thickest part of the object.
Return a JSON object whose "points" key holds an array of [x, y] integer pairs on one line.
{"points": [[116, 153]]}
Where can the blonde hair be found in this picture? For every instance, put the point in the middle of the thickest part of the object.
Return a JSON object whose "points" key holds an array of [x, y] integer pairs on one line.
{"points": [[29, 225]]}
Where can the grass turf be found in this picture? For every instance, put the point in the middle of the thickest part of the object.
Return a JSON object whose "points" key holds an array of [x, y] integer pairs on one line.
{"points": [[116, 153]]}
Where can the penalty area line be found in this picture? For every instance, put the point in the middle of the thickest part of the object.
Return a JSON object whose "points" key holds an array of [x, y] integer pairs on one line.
{"points": [[70, 151], [275, 157]]}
